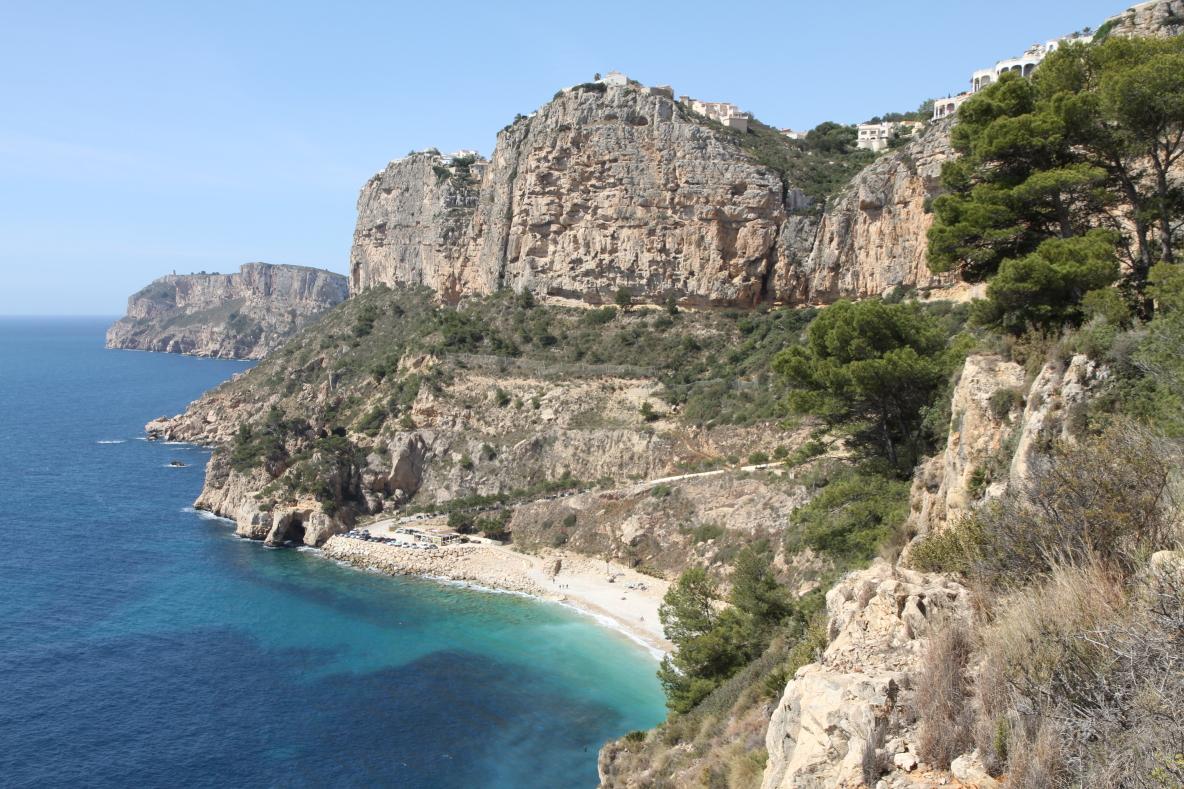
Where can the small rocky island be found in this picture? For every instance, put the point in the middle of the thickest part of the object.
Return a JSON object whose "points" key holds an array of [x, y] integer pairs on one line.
{"points": [[229, 316]]}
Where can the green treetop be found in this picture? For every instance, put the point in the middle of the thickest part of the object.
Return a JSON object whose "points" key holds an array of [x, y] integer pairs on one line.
{"points": [[871, 369]]}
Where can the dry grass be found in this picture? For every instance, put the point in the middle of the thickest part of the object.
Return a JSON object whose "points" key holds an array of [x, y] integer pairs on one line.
{"points": [[1037, 762], [1037, 637], [943, 695], [995, 709], [1108, 499]]}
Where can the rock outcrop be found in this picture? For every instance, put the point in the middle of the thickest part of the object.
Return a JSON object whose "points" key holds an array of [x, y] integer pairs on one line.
{"points": [[872, 236], [230, 316], [987, 404], [853, 706], [610, 187], [1054, 410], [1158, 18]]}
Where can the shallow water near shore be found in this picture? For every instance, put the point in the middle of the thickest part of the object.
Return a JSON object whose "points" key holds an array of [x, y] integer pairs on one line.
{"points": [[142, 644]]}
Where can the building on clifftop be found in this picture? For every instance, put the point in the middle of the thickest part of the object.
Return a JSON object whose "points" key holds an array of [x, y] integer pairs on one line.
{"points": [[722, 112], [1023, 65], [877, 136], [614, 79]]}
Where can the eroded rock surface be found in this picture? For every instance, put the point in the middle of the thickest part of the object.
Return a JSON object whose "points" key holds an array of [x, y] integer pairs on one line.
{"points": [[872, 236], [1158, 18], [625, 188], [860, 691], [231, 316], [986, 409]]}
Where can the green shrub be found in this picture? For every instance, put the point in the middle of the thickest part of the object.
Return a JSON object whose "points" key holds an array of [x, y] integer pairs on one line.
{"points": [[600, 316], [851, 516], [1005, 400], [707, 531], [372, 421]]}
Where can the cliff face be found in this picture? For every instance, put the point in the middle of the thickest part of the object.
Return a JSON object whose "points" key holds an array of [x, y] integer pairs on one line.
{"points": [[231, 316], [872, 236], [880, 619], [989, 397], [622, 187], [1157, 18], [413, 221]]}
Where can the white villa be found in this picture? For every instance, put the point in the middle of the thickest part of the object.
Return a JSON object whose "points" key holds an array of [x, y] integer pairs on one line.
{"points": [[615, 79], [876, 136], [1023, 65], [728, 114], [793, 135]]}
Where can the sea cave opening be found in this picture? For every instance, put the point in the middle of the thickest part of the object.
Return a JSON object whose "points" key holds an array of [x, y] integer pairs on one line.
{"points": [[295, 531]]}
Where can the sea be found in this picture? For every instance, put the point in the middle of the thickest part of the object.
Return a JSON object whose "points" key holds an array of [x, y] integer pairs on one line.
{"points": [[142, 644]]}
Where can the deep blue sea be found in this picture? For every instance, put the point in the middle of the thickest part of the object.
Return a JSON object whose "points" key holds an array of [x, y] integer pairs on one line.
{"points": [[144, 645]]}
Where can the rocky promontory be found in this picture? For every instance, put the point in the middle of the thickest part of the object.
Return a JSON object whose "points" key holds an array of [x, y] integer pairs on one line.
{"points": [[229, 316]]}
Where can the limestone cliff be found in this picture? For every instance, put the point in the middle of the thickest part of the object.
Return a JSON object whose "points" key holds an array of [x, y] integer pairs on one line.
{"points": [[609, 187], [987, 400], [852, 707], [879, 619], [231, 316], [1001, 426], [1156, 18], [413, 220], [872, 236]]}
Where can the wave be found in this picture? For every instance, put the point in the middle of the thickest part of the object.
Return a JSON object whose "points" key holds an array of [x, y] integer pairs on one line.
{"points": [[474, 586], [612, 624], [111, 441], [204, 515]]}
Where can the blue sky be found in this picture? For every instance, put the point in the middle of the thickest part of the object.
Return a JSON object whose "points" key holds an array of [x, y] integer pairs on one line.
{"points": [[139, 138]]}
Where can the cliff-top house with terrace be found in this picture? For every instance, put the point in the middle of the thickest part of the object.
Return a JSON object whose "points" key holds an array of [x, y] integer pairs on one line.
{"points": [[1023, 65]]}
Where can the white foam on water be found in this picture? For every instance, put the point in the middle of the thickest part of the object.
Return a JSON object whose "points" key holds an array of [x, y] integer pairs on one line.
{"points": [[205, 516], [613, 624], [111, 441]]}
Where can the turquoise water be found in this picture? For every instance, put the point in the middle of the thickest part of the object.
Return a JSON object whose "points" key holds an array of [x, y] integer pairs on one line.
{"points": [[141, 644]]}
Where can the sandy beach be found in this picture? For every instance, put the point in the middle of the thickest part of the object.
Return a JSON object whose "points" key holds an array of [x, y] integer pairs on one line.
{"points": [[575, 580]]}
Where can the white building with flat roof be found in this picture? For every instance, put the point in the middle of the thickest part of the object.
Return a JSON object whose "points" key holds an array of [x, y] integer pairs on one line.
{"points": [[877, 136], [615, 79]]}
